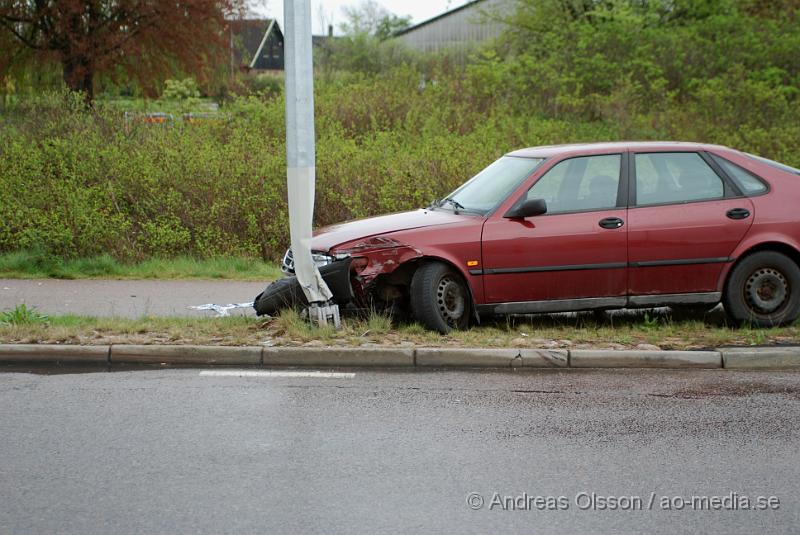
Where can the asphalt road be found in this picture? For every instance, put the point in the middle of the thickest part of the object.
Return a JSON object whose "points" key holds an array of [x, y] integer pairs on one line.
{"points": [[176, 451], [126, 298]]}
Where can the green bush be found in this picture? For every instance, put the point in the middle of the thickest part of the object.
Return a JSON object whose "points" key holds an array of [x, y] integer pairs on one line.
{"points": [[180, 89], [86, 183], [722, 70]]}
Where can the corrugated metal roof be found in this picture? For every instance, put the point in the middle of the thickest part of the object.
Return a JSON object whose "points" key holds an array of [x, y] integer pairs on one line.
{"points": [[437, 17]]}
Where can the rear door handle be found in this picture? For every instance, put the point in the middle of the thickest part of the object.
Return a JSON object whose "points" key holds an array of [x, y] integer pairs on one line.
{"points": [[611, 222], [738, 213]]}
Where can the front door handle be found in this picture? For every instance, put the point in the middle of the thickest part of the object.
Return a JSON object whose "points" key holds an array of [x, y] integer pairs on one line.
{"points": [[738, 213], [611, 222]]}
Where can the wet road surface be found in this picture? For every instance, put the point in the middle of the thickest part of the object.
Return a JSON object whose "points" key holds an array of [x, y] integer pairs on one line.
{"points": [[186, 451]]}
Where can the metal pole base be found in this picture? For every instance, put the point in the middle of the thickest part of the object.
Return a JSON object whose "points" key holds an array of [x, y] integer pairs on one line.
{"points": [[323, 315]]}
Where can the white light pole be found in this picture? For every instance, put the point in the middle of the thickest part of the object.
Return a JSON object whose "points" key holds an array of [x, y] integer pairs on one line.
{"points": [[300, 156]]}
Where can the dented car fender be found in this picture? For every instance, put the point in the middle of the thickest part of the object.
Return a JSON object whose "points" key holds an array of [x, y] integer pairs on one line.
{"points": [[382, 255]]}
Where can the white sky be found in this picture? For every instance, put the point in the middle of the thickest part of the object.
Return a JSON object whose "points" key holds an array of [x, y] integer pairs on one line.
{"points": [[324, 12]]}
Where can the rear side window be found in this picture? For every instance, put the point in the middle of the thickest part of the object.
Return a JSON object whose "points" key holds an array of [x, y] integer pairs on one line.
{"points": [[747, 182], [675, 177]]}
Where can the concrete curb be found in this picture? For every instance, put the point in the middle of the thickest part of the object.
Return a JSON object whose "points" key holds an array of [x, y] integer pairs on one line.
{"points": [[378, 357], [438, 357], [48, 353], [207, 355], [383, 357], [542, 358], [768, 358], [644, 359]]}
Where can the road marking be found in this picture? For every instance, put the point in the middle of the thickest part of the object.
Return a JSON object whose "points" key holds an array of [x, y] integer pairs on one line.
{"points": [[266, 373]]}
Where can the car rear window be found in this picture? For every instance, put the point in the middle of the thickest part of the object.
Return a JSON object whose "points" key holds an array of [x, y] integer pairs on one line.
{"points": [[748, 183], [776, 165]]}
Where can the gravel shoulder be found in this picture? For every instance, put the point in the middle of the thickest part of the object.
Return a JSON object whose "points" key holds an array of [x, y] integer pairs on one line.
{"points": [[125, 298]]}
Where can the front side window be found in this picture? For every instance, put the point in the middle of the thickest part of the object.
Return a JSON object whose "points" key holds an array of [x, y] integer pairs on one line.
{"points": [[675, 177], [580, 184], [483, 192]]}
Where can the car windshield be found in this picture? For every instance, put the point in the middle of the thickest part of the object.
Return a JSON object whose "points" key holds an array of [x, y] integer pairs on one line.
{"points": [[776, 165], [482, 193]]}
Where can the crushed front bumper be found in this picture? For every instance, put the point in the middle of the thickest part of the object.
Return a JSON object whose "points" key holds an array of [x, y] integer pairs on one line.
{"points": [[287, 293]]}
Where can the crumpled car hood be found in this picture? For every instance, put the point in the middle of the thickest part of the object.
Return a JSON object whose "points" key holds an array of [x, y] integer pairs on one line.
{"points": [[329, 237]]}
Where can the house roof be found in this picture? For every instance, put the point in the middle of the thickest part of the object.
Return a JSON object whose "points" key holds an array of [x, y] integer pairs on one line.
{"points": [[250, 35], [437, 17]]}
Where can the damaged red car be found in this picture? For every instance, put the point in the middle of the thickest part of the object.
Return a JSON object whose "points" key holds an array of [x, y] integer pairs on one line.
{"points": [[578, 227]]}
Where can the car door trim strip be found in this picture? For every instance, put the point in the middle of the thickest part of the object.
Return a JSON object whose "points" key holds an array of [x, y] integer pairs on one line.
{"points": [[611, 265], [591, 303], [557, 305], [674, 299], [535, 269], [682, 262]]}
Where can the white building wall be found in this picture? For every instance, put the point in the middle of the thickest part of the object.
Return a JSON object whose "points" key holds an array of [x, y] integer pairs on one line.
{"points": [[458, 32]]}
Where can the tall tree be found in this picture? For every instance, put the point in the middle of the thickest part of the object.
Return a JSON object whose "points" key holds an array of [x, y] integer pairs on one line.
{"points": [[371, 18], [147, 38]]}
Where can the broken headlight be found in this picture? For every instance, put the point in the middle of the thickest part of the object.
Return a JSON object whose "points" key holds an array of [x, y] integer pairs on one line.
{"points": [[320, 259]]}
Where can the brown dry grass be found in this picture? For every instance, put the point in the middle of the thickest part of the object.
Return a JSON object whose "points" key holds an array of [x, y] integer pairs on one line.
{"points": [[644, 330]]}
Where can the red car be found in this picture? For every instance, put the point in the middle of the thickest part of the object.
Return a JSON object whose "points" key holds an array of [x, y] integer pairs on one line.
{"points": [[580, 227]]}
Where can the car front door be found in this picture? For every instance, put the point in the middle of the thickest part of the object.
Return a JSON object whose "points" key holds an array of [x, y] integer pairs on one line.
{"points": [[684, 222], [575, 255]]}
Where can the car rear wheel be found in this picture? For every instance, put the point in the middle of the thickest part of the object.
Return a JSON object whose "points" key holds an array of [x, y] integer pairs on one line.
{"points": [[764, 289], [440, 299]]}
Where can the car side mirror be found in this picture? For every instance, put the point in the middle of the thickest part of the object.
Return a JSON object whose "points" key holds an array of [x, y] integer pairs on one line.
{"points": [[528, 208]]}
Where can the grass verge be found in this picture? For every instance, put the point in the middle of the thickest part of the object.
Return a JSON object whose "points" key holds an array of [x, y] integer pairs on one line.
{"points": [[32, 265], [644, 331]]}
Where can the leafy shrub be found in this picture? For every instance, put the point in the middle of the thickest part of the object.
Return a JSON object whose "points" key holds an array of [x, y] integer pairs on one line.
{"points": [[180, 89], [263, 84], [87, 183]]}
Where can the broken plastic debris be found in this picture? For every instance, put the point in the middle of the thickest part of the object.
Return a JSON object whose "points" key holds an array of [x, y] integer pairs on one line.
{"points": [[222, 310]]}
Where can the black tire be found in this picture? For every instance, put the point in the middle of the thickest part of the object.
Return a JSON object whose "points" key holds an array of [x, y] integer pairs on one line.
{"points": [[764, 290], [287, 293], [283, 293], [440, 299]]}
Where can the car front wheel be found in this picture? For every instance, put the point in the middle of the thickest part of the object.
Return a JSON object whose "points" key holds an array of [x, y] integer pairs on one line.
{"points": [[764, 289], [440, 299]]}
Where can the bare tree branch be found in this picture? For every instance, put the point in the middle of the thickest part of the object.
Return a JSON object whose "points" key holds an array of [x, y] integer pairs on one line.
{"points": [[25, 40]]}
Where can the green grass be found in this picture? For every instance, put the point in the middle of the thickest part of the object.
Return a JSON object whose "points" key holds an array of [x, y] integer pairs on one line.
{"points": [[665, 330], [21, 315], [33, 265]]}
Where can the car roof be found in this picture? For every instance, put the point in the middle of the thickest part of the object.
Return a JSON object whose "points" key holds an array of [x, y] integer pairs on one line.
{"points": [[547, 151]]}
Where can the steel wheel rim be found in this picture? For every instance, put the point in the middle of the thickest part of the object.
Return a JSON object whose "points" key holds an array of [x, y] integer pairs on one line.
{"points": [[450, 300], [766, 290]]}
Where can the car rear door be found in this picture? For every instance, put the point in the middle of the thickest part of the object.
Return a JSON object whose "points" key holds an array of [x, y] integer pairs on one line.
{"points": [[575, 255], [684, 221]]}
